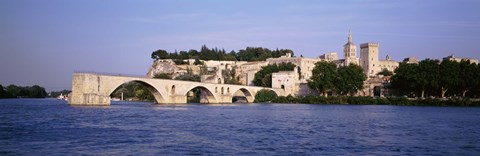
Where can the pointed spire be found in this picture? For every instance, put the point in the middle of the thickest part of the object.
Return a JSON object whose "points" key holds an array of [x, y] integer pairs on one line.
{"points": [[349, 36]]}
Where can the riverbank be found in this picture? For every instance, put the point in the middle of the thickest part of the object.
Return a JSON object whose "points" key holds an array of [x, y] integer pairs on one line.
{"points": [[361, 100]]}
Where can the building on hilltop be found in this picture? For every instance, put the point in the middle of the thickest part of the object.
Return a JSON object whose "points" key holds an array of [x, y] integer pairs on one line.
{"points": [[458, 59], [411, 60]]}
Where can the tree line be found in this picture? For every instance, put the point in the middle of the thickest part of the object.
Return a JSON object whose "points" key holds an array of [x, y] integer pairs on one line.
{"points": [[438, 79], [13, 91], [205, 53]]}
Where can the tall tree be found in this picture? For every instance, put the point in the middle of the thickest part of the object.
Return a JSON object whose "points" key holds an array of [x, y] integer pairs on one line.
{"points": [[469, 77], [323, 77], [449, 76], [405, 79], [428, 76], [350, 79]]}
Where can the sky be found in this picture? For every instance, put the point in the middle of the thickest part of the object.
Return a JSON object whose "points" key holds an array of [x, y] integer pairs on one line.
{"points": [[44, 42]]}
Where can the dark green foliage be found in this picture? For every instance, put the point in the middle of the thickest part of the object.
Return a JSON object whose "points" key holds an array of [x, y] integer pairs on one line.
{"points": [[344, 80], [449, 76], [197, 62], [162, 76], [264, 76], [13, 91], [229, 76], [260, 54], [248, 54], [405, 79], [323, 77], [469, 77], [133, 90], [160, 54], [4, 93], [432, 78], [385, 72], [188, 77], [265, 95], [350, 79]]}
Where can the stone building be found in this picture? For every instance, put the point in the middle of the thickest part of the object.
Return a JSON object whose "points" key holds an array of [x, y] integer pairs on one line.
{"points": [[304, 65], [286, 80], [246, 71], [410, 60], [459, 59], [329, 57]]}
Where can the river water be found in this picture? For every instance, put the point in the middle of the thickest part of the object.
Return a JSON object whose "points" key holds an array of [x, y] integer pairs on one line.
{"points": [[51, 127]]}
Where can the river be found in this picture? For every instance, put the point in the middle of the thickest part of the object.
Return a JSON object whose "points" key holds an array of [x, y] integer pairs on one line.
{"points": [[51, 127]]}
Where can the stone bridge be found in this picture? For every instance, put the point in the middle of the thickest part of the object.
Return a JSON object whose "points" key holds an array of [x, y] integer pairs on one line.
{"points": [[95, 89]]}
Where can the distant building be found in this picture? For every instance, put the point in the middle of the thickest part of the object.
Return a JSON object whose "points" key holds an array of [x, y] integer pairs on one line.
{"points": [[329, 57], [458, 59], [410, 60]]}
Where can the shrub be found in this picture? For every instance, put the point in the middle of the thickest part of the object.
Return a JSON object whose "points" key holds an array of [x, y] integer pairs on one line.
{"points": [[265, 95]]}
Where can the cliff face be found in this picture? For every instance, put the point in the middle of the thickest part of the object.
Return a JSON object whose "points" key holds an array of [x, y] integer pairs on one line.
{"points": [[169, 67], [162, 66]]}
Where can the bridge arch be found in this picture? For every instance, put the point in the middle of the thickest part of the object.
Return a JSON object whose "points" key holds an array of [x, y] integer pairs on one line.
{"points": [[207, 93], [159, 97], [247, 93]]}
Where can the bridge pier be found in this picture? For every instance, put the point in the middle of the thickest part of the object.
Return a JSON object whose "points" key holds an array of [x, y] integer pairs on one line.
{"points": [[177, 99], [87, 94]]}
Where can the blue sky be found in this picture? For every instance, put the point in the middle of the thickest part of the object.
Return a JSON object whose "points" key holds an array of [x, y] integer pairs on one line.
{"points": [[44, 42]]}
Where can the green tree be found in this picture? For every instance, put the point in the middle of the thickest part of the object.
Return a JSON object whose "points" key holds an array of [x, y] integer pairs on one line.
{"points": [[197, 62], [385, 72], [188, 77], [469, 77], [3, 93], [323, 77], [350, 79], [162, 76], [160, 54], [405, 79], [229, 76], [264, 76], [449, 76], [428, 75], [36, 92], [265, 95]]}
